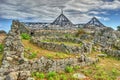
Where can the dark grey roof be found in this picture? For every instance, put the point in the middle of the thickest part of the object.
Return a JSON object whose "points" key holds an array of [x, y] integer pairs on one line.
{"points": [[95, 22], [62, 20]]}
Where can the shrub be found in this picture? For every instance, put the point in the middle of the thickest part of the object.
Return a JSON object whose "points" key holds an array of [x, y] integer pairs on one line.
{"points": [[76, 67], [25, 36], [33, 55], [63, 77], [67, 35], [51, 74], [40, 75], [28, 49], [37, 74], [69, 69], [1, 47], [118, 28], [33, 74], [49, 56], [57, 77], [87, 72], [115, 72], [101, 75], [50, 78]]}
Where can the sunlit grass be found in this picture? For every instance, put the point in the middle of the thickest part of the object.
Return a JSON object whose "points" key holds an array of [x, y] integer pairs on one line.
{"points": [[33, 48], [108, 67], [1, 56]]}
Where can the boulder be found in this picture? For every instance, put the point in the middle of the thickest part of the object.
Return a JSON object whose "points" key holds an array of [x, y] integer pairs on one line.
{"points": [[9, 58], [30, 78], [79, 76]]}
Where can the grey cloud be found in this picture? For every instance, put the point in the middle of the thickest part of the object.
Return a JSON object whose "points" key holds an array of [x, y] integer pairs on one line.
{"points": [[48, 10]]}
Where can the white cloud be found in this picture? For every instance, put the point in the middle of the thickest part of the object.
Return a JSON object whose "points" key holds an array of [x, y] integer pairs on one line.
{"points": [[97, 12], [106, 19], [111, 5]]}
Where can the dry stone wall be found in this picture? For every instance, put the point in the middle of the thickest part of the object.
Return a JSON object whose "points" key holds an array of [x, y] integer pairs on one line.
{"points": [[45, 65], [110, 52], [109, 41], [62, 39], [85, 48]]}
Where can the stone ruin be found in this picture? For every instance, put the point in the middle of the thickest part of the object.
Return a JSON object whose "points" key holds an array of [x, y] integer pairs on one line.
{"points": [[16, 67], [94, 23]]}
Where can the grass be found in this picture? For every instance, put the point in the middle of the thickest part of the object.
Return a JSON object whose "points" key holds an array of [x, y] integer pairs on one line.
{"points": [[65, 43], [32, 48], [68, 43], [98, 72], [105, 61], [25, 36], [106, 69], [2, 37], [1, 47], [69, 69], [1, 56], [54, 76], [1, 52]]}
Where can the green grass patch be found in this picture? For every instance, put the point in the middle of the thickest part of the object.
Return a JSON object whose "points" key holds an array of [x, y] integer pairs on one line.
{"points": [[32, 55], [1, 47], [38, 75], [25, 36], [69, 69]]}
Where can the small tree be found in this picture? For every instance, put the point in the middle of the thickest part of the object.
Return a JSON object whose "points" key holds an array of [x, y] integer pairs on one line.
{"points": [[118, 28]]}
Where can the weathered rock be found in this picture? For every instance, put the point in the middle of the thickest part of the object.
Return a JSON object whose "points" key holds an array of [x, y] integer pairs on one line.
{"points": [[79, 76], [30, 78], [2, 78], [12, 76], [23, 75], [9, 58]]}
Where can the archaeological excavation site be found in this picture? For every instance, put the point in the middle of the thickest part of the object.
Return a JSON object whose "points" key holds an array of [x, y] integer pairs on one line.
{"points": [[60, 50]]}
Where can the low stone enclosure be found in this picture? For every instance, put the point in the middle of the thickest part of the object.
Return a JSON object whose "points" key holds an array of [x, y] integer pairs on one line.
{"points": [[81, 48], [16, 67]]}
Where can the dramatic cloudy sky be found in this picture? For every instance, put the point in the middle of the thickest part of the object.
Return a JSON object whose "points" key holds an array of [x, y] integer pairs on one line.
{"points": [[78, 11]]}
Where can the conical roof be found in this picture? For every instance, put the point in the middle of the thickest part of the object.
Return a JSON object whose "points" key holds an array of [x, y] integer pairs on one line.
{"points": [[62, 20], [94, 22]]}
